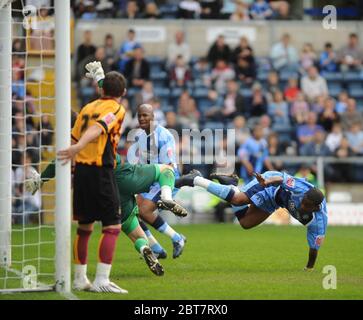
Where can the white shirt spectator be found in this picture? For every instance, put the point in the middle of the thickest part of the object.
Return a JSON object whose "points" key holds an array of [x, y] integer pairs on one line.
{"points": [[178, 48], [283, 54], [333, 140], [313, 85]]}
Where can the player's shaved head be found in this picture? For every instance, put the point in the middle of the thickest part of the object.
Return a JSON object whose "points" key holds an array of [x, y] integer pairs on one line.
{"points": [[145, 115], [315, 196], [145, 108]]}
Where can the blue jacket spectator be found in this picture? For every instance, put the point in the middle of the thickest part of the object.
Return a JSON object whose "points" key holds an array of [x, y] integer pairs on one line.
{"points": [[278, 109], [261, 10], [253, 155], [317, 147], [306, 132], [327, 61], [127, 49]]}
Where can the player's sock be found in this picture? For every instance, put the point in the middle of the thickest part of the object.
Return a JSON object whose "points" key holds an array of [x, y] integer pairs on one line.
{"points": [[49, 172], [107, 245], [153, 243], [103, 272], [221, 191], [80, 271], [166, 180], [80, 246], [140, 243], [163, 227]]}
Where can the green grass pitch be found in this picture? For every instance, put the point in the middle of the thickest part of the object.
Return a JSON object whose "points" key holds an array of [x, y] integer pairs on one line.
{"points": [[225, 262]]}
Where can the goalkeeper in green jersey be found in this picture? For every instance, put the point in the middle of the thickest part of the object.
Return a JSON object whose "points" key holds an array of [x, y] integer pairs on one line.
{"points": [[131, 180]]}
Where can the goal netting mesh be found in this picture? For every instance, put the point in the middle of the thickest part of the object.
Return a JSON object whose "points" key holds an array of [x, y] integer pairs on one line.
{"points": [[32, 263]]}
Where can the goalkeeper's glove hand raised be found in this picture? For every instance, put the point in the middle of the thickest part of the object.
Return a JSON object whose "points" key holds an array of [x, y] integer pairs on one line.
{"points": [[95, 71], [33, 181]]}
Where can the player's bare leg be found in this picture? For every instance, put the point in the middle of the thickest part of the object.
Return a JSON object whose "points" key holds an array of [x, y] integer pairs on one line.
{"points": [[146, 212], [253, 217]]}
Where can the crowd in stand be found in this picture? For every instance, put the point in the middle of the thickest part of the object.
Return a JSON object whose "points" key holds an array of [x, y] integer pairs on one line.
{"points": [[236, 10], [31, 133], [289, 94]]}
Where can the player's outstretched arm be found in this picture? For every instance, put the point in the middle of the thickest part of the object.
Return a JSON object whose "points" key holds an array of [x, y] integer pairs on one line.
{"points": [[313, 254], [266, 182], [91, 134]]}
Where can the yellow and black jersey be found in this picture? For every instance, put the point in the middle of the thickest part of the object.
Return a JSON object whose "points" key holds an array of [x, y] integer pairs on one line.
{"points": [[108, 114]]}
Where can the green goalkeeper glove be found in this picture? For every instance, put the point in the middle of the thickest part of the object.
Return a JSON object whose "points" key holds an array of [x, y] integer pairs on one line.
{"points": [[95, 71], [33, 182]]}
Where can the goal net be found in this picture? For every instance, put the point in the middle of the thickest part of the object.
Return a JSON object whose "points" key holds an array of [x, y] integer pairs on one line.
{"points": [[30, 232]]}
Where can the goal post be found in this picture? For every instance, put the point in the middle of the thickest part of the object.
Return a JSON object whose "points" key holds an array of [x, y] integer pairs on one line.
{"points": [[35, 240], [63, 129], [5, 134]]}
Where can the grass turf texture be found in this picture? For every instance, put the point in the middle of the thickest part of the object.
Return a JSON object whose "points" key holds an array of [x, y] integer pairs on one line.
{"points": [[226, 262]]}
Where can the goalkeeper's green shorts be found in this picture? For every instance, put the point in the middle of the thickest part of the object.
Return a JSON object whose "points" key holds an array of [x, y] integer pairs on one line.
{"points": [[132, 180]]}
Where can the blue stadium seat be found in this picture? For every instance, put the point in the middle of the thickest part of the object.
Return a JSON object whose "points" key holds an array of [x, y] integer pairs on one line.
{"points": [[354, 85], [168, 11], [263, 63], [174, 95], [194, 60], [332, 76], [198, 83], [351, 76], [214, 125], [162, 92], [262, 76], [200, 92], [155, 67], [285, 134], [168, 108], [286, 75], [246, 93], [356, 93], [156, 64], [158, 78], [335, 88]]}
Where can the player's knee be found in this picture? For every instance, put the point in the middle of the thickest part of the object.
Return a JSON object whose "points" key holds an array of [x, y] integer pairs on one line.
{"points": [[85, 226], [239, 198], [164, 167], [245, 225], [114, 227]]}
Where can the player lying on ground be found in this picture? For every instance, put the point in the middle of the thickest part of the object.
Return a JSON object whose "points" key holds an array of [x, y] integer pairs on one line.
{"points": [[256, 201], [155, 145]]}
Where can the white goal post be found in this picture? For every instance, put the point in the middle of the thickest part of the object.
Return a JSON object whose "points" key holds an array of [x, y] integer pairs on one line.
{"points": [[5, 134], [62, 218]]}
